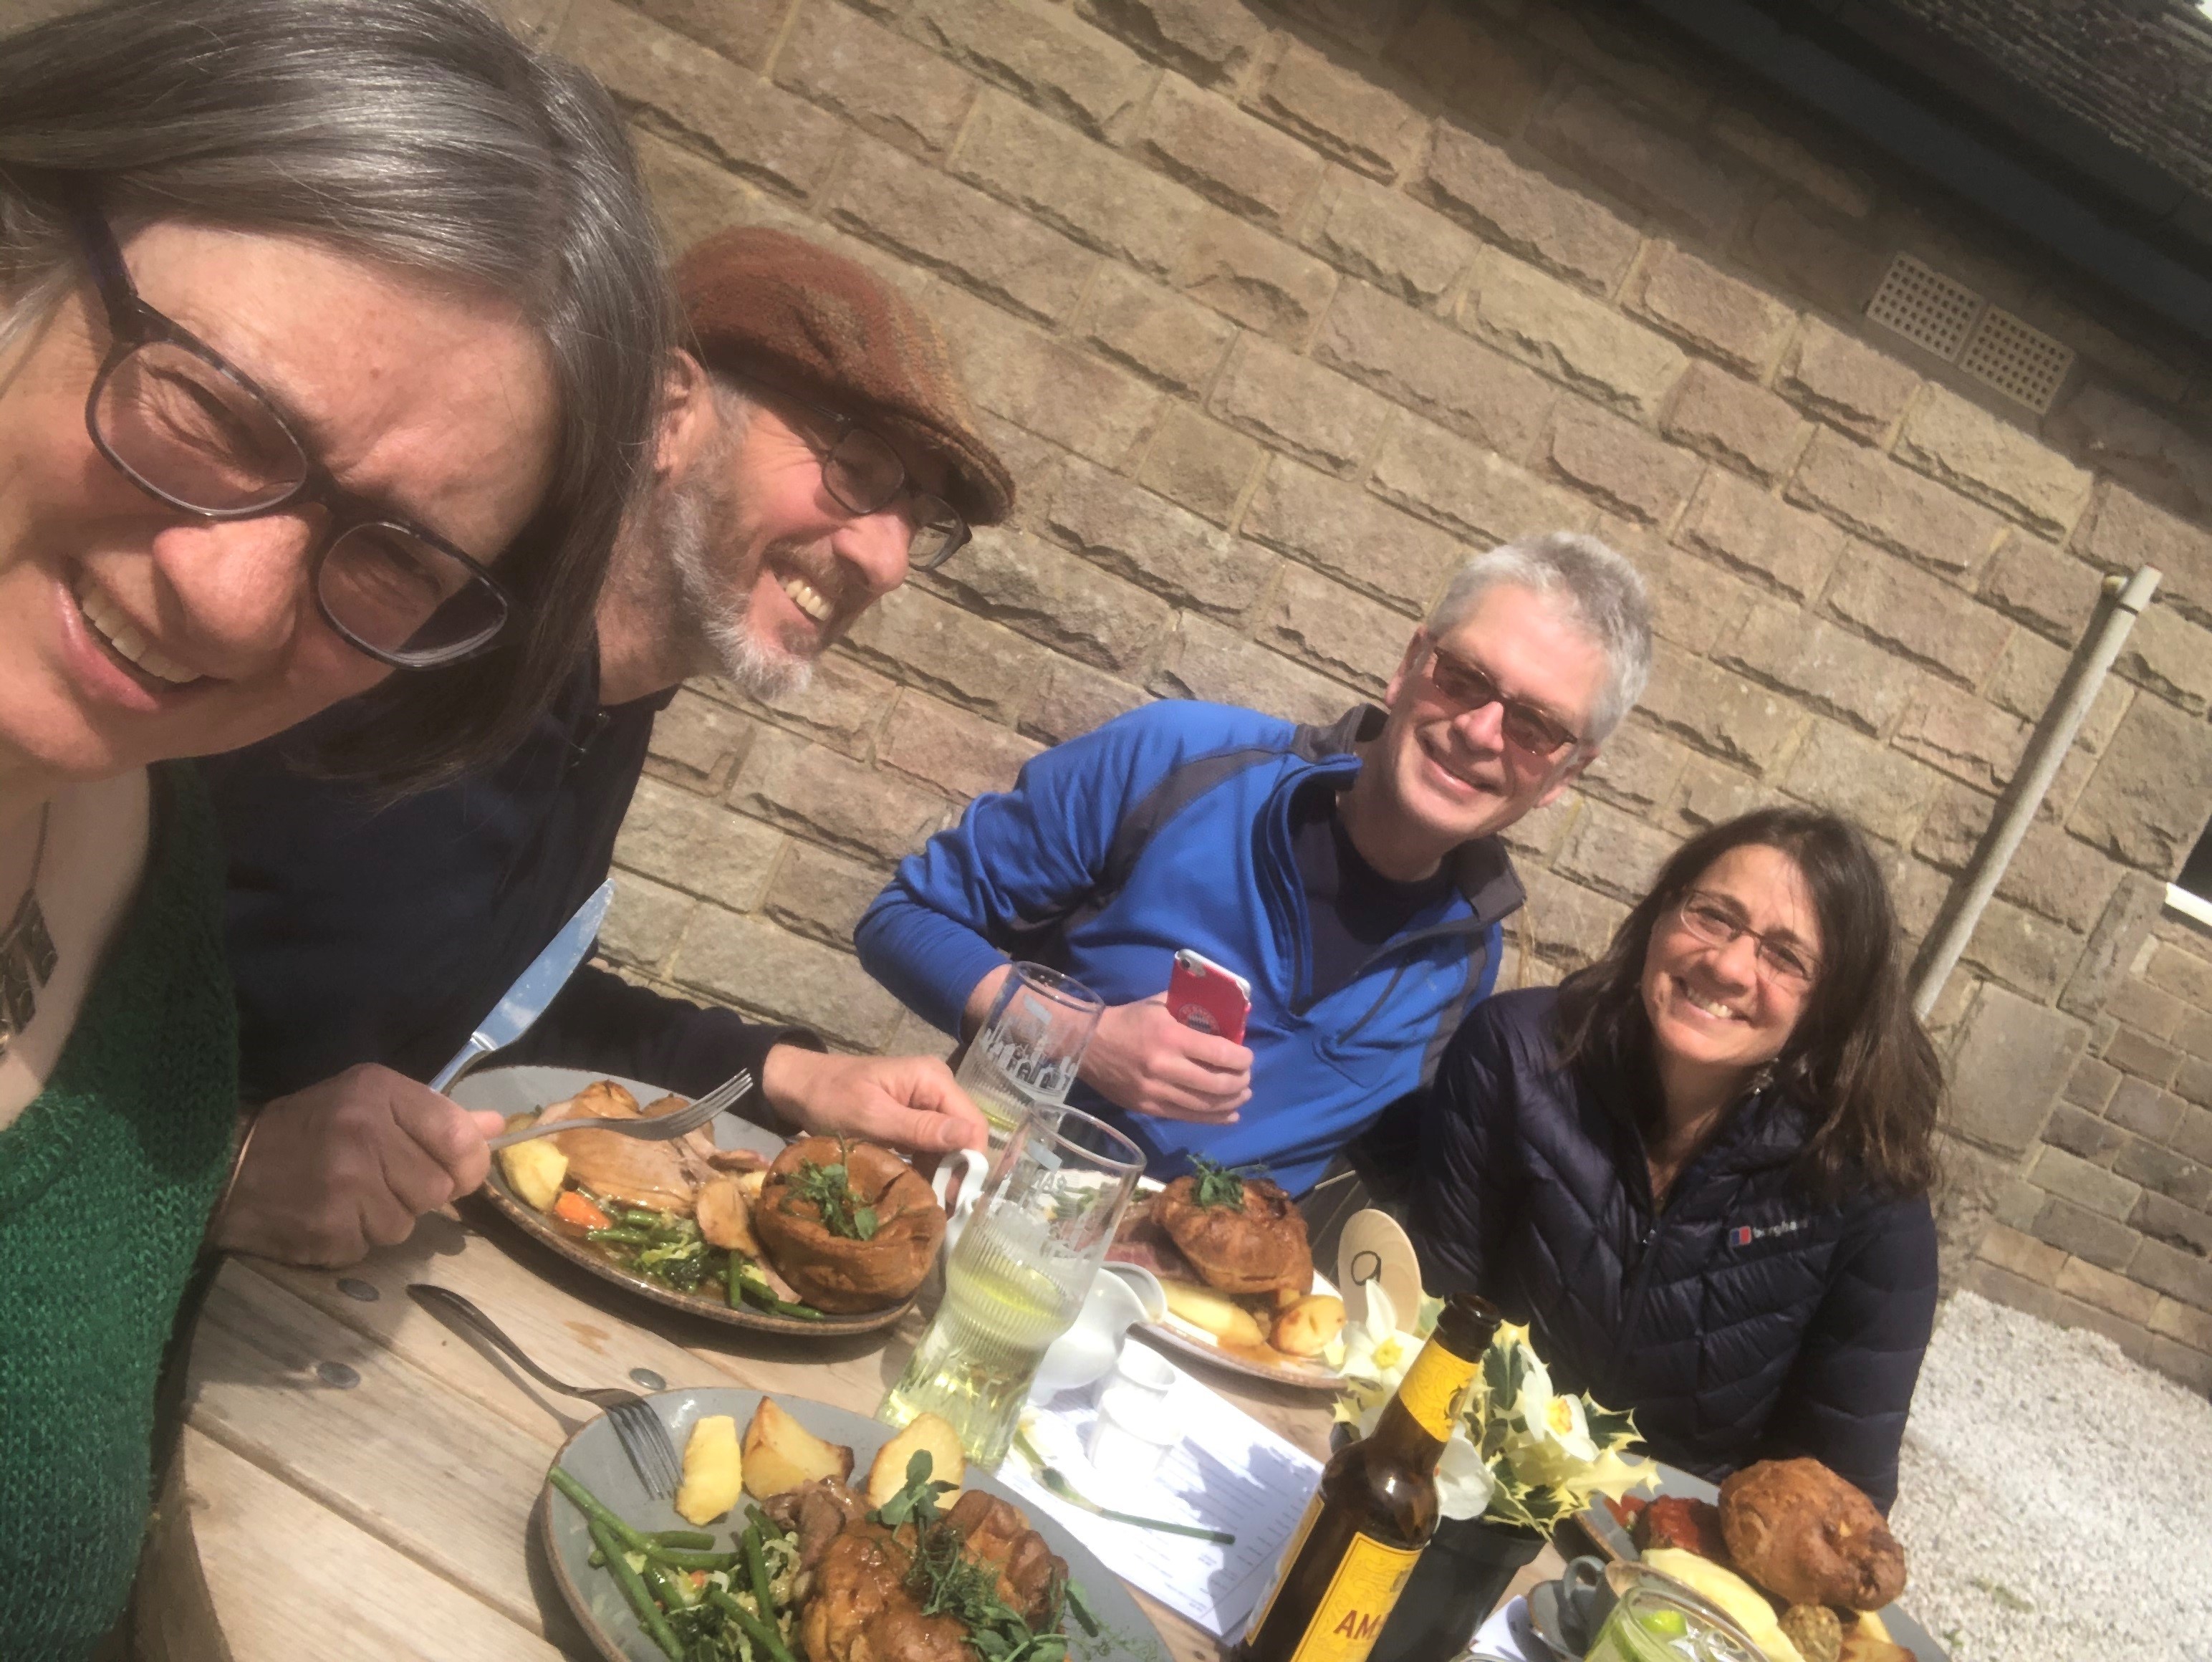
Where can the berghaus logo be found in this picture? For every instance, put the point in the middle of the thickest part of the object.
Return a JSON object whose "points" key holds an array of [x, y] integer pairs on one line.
{"points": [[1744, 1234]]}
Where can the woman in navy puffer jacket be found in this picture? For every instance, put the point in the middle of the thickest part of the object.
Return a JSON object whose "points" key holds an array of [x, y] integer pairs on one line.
{"points": [[1699, 1168]]}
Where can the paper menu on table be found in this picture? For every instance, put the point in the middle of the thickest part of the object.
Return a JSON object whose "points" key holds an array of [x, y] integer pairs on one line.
{"points": [[1229, 1472]]}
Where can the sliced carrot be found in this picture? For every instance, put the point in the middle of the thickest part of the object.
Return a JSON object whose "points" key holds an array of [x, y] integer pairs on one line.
{"points": [[574, 1208], [698, 1578]]}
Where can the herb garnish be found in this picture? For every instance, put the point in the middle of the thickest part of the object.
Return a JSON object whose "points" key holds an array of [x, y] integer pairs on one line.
{"points": [[829, 1187], [945, 1581], [1218, 1184]]}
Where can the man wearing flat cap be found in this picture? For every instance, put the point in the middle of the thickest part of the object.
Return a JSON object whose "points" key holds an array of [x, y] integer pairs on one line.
{"points": [[815, 447]]}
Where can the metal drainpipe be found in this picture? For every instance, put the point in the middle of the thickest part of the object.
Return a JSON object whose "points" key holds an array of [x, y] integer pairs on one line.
{"points": [[2117, 607]]}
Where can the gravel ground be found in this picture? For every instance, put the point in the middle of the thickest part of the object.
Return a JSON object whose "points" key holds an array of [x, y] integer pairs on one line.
{"points": [[2056, 1503]]}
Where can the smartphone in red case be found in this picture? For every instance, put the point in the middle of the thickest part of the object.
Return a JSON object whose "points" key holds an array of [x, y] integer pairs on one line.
{"points": [[1203, 995]]}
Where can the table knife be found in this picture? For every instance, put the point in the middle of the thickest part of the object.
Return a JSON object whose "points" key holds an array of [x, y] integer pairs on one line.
{"points": [[533, 990]]}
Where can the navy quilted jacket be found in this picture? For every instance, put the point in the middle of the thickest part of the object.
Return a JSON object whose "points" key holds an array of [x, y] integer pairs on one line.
{"points": [[1745, 1322]]}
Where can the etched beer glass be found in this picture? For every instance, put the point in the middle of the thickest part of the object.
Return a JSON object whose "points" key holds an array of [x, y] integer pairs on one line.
{"points": [[1028, 1048]]}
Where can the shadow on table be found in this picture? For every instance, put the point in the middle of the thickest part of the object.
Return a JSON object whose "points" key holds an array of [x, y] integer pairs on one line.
{"points": [[1275, 1485]]}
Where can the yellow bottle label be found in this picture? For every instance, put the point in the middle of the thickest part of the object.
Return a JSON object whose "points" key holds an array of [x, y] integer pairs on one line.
{"points": [[1434, 1389], [1357, 1603]]}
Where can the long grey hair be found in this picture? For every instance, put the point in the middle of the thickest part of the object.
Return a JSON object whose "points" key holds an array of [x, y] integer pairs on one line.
{"points": [[420, 134]]}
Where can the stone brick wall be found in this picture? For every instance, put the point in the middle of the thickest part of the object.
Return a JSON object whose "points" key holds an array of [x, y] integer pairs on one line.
{"points": [[2110, 1229], [1276, 310]]}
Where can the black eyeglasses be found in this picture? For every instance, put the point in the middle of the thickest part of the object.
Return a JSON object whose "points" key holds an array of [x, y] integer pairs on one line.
{"points": [[1714, 921], [185, 427], [1525, 727], [864, 475]]}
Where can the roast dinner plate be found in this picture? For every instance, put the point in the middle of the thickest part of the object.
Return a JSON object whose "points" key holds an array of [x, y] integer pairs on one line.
{"points": [[595, 1458], [509, 1091], [1613, 1541], [1186, 1338]]}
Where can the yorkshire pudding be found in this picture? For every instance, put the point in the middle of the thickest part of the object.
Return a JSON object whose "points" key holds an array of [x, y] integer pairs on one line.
{"points": [[1809, 1537], [878, 1265], [1254, 1245]]}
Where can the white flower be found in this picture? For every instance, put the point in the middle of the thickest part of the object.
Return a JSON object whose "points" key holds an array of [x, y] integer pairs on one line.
{"points": [[1464, 1483], [1534, 1400], [1377, 1357], [1553, 1445]]}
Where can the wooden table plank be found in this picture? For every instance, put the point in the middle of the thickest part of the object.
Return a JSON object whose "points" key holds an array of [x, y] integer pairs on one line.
{"points": [[291, 1580], [575, 1342], [435, 1474]]}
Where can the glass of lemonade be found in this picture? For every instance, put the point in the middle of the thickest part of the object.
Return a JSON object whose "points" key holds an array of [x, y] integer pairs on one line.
{"points": [[1016, 1279], [1655, 1620], [1029, 1048]]}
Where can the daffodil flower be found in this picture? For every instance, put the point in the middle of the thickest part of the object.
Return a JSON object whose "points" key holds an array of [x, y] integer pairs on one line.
{"points": [[1464, 1481], [1376, 1356]]}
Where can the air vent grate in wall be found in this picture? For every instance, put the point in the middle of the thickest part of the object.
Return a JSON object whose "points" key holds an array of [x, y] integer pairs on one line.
{"points": [[1925, 306], [2020, 363]]}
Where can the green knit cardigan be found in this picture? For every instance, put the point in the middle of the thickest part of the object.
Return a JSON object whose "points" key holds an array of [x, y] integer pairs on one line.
{"points": [[105, 1183]]}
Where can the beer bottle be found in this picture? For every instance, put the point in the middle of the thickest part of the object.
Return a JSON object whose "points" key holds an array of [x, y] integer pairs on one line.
{"points": [[1374, 1510]]}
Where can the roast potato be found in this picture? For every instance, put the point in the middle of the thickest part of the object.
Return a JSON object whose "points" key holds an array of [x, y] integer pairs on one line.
{"points": [[725, 1213], [713, 1470], [1202, 1308], [1305, 1328], [780, 1454], [839, 1272], [535, 1171], [925, 1433]]}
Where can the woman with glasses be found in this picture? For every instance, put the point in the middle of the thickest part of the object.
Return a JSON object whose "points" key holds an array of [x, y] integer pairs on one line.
{"points": [[329, 339], [1699, 1168]]}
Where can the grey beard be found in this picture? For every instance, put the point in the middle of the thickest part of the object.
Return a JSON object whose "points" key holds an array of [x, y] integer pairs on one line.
{"points": [[688, 519]]}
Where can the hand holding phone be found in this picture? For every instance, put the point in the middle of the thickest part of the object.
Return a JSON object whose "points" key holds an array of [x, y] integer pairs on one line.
{"points": [[1207, 998]]}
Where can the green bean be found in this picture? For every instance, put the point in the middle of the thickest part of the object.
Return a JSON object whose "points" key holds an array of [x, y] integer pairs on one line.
{"points": [[757, 1566], [673, 1585], [696, 1538], [764, 1295], [633, 1587], [1080, 1608], [680, 1559], [619, 1237], [762, 1633], [596, 1510], [736, 1280]]}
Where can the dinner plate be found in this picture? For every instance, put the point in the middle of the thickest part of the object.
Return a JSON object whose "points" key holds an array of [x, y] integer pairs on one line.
{"points": [[1254, 1361], [526, 1090], [1672, 1480], [594, 1457]]}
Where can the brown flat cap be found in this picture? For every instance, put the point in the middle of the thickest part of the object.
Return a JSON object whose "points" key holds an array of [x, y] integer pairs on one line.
{"points": [[768, 303]]}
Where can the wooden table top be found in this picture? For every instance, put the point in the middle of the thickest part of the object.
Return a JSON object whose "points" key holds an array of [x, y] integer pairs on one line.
{"points": [[355, 1480]]}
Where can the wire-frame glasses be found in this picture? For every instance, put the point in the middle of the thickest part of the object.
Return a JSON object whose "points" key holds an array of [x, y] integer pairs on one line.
{"points": [[1712, 920], [1470, 686], [864, 475]]}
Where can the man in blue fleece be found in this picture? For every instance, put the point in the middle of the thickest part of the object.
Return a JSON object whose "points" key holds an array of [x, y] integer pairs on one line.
{"points": [[1352, 873]]}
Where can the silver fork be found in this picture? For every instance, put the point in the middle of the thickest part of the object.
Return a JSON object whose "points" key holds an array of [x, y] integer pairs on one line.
{"points": [[642, 1435], [656, 1127]]}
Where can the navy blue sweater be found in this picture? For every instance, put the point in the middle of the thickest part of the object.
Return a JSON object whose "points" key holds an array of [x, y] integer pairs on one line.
{"points": [[359, 934], [1746, 1321]]}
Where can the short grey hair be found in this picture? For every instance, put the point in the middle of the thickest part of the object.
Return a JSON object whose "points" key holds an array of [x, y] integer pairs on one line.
{"points": [[423, 136], [1594, 588]]}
